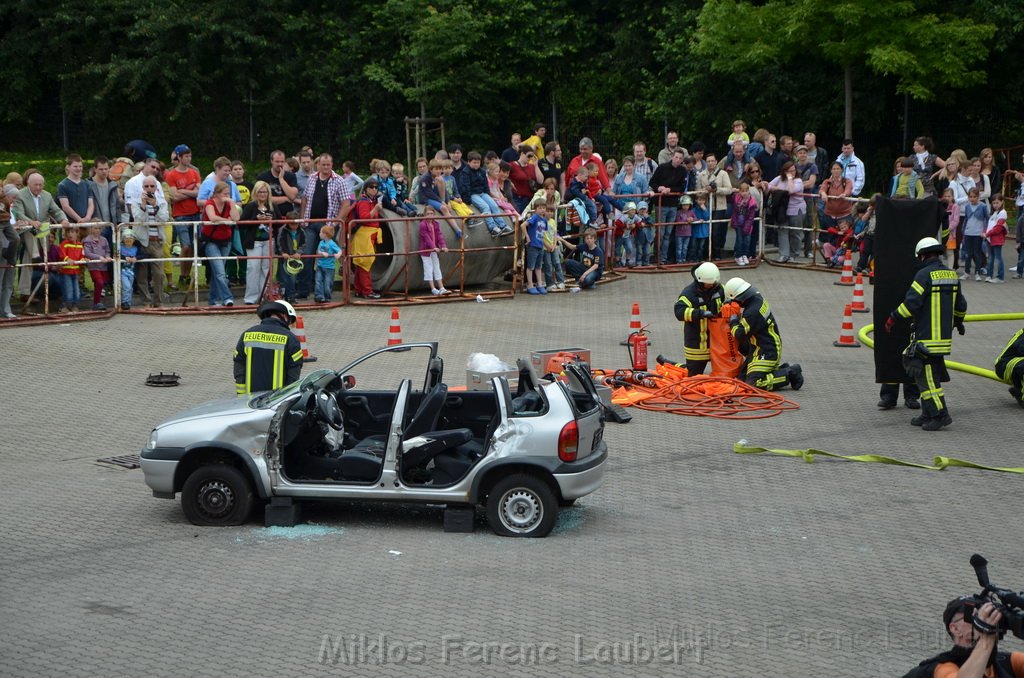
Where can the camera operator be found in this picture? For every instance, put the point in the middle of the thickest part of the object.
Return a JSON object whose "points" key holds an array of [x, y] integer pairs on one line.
{"points": [[974, 654]]}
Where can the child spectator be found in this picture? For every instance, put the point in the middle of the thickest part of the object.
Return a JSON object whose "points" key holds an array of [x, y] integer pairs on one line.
{"points": [[533, 236], [328, 254], [976, 215], [739, 133], [864, 232], [367, 235], [348, 173], [596, 191], [129, 253], [453, 197], [432, 191], [744, 212], [578, 191], [432, 240], [644, 234], [290, 243], [996, 236], [388, 193], [494, 186], [684, 228], [414, 189], [588, 265], [97, 251], [838, 239], [402, 199], [906, 184], [953, 224], [70, 252], [480, 195], [625, 235], [552, 258], [701, 229]]}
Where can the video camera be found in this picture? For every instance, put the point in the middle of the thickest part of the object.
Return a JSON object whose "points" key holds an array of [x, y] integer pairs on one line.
{"points": [[1009, 603]]}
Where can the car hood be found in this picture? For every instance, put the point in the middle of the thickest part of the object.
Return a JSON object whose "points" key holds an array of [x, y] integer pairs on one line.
{"points": [[211, 408]]}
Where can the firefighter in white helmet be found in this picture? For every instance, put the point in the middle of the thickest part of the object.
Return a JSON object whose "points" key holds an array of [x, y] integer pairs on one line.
{"points": [[757, 333], [699, 301]]}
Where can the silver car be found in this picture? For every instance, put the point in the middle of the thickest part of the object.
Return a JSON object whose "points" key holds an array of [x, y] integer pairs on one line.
{"points": [[354, 435]]}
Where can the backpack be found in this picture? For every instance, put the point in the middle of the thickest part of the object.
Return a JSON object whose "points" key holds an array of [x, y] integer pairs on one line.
{"points": [[121, 171]]}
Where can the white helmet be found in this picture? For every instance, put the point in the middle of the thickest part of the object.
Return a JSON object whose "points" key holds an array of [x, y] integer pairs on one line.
{"points": [[928, 246], [707, 273], [278, 306], [734, 287]]}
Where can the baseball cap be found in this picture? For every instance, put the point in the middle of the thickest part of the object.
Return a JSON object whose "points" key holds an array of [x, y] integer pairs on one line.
{"points": [[956, 605], [182, 148], [801, 147]]}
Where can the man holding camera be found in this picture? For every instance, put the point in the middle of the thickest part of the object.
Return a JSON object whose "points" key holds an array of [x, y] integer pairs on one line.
{"points": [[974, 631]]}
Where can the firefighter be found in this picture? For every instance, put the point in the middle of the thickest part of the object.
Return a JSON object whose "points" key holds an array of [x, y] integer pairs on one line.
{"points": [[936, 304], [268, 356], [753, 325], [1010, 366], [699, 301]]}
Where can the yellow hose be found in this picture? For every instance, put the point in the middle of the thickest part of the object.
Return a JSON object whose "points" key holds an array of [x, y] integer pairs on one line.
{"points": [[867, 330]]}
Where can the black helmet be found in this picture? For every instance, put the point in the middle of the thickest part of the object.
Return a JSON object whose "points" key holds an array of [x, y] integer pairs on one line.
{"points": [[279, 307]]}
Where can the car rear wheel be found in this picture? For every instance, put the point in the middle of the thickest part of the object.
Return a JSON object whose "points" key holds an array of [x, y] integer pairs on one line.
{"points": [[215, 495], [522, 505]]}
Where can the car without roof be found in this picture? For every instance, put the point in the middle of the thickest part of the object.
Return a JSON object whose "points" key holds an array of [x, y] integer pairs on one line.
{"points": [[353, 435]]}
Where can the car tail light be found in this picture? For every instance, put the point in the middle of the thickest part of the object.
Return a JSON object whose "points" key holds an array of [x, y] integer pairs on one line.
{"points": [[568, 442]]}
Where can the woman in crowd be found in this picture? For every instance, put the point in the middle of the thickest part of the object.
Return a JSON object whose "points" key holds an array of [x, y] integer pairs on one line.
{"points": [[627, 182], [220, 214], [981, 182], [991, 170], [926, 163], [790, 239], [256, 239]]}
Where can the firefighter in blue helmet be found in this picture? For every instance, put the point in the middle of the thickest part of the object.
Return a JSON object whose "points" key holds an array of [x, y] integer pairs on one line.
{"points": [[268, 356], [935, 304], [757, 334]]}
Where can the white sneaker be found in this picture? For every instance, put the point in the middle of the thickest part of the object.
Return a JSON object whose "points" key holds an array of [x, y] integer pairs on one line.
{"points": [[739, 261], [435, 291], [443, 291], [997, 281], [977, 277], [964, 276], [988, 279]]}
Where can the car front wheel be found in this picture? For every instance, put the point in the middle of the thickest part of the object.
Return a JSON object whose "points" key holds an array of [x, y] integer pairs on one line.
{"points": [[216, 494], [522, 505]]}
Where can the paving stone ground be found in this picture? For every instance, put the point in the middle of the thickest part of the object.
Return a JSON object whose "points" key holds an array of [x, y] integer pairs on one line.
{"points": [[691, 560]]}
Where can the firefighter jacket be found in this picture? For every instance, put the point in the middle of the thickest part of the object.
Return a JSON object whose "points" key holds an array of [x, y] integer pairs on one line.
{"points": [[696, 336], [267, 356], [935, 302], [757, 326], [1012, 357]]}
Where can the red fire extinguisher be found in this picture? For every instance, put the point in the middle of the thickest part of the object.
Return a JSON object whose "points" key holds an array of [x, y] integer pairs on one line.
{"points": [[638, 349]]}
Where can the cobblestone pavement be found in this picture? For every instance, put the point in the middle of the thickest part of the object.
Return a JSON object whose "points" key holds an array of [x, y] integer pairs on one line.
{"points": [[690, 560]]}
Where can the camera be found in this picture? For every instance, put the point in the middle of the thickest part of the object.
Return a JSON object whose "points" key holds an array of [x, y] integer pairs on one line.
{"points": [[1009, 603], [151, 194]]}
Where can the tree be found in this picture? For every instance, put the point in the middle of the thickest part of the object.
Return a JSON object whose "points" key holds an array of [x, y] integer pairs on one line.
{"points": [[896, 39]]}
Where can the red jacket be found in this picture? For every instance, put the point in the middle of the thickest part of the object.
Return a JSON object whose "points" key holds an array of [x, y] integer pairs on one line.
{"points": [[996, 233], [577, 162], [74, 251]]}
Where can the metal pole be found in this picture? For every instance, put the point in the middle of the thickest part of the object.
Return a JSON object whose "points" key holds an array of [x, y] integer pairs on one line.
{"points": [[554, 117]]}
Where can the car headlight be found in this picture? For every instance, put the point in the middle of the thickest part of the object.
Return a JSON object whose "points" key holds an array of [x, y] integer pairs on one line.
{"points": [[152, 440]]}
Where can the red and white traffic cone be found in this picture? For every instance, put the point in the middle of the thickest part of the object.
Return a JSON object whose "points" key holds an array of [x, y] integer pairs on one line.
{"points": [[300, 334], [395, 331], [846, 337], [847, 277], [634, 325], [858, 304]]}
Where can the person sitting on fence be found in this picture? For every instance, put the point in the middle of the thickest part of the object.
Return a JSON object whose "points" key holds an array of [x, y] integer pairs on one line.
{"points": [[480, 195], [452, 192], [129, 253], [403, 203], [381, 170], [291, 242], [432, 192], [495, 187], [578, 191], [597, 193], [431, 245], [368, 235], [588, 266]]}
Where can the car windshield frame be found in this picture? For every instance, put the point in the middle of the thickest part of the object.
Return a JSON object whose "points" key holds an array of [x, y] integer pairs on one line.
{"points": [[272, 398]]}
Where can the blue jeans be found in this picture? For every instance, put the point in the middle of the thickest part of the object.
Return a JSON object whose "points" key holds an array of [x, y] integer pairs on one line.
{"points": [[486, 205], [996, 254], [520, 202], [576, 268], [1020, 260], [288, 281], [220, 293], [183, 232], [699, 249], [667, 215], [607, 204], [324, 283], [591, 209], [552, 267], [127, 282], [750, 251], [742, 243], [644, 240], [628, 251], [305, 278], [682, 248], [972, 252], [69, 289], [719, 232]]}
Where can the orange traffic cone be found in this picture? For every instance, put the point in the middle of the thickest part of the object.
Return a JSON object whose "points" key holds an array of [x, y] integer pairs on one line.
{"points": [[847, 277], [846, 337], [858, 304], [395, 331], [300, 334], [634, 325]]}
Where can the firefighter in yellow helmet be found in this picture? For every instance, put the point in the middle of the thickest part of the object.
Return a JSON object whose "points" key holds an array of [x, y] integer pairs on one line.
{"points": [[699, 301], [268, 356], [757, 334], [935, 304]]}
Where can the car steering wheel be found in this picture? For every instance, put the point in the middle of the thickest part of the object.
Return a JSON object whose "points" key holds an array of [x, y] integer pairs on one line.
{"points": [[327, 408]]}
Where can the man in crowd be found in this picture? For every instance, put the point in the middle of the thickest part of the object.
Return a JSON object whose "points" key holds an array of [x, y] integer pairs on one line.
{"points": [[268, 356], [133, 189], [853, 168], [643, 165], [551, 164], [148, 217], [185, 180], [460, 172], [34, 206], [670, 178], [671, 146], [511, 153], [536, 141], [586, 155], [816, 154], [327, 196], [719, 186], [284, 185], [769, 159], [221, 172], [73, 194], [306, 170]]}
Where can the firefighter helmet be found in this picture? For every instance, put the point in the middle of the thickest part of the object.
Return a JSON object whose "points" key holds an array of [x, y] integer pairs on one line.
{"points": [[280, 306], [735, 287], [928, 246], [707, 274]]}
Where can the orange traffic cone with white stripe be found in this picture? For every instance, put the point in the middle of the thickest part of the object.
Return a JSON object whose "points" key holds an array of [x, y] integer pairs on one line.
{"points": [[846, 337], [847, 276], [858, 304], [634, 325], [300, 334], [395, 331]]}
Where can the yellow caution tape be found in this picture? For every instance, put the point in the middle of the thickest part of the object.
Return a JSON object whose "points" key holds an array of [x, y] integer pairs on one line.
{"points": [[939, 463]]}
